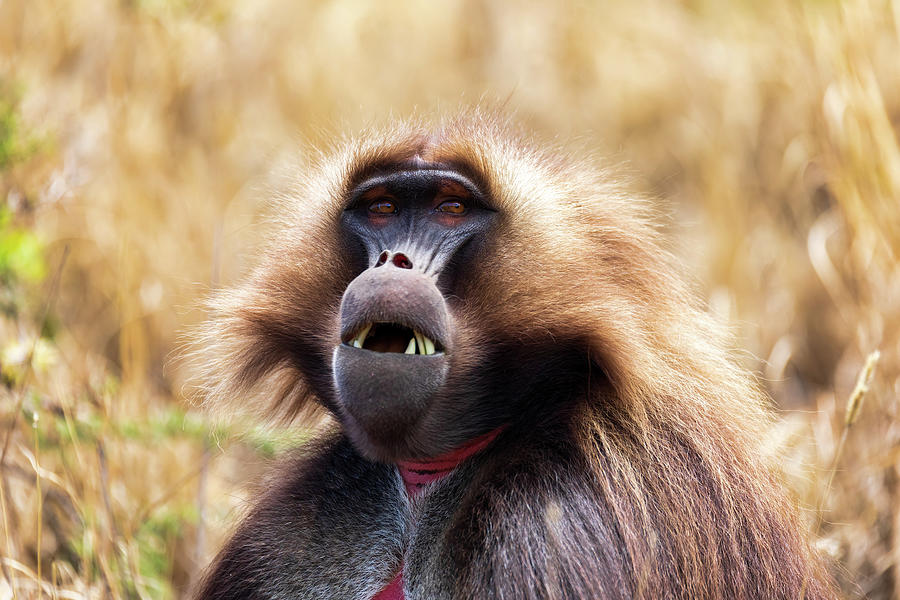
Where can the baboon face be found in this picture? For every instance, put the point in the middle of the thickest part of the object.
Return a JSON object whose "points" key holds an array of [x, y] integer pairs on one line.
{"points": [[429, 285], [413, 229]]}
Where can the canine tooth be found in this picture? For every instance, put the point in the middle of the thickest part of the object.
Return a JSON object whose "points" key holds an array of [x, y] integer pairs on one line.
{"points": [[420, 342], [429, 345], [360, 339], [411, 349]]}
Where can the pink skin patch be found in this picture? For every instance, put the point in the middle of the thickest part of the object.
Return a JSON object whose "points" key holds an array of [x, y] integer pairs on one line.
{"points": [[394, 590], [417, 474]]}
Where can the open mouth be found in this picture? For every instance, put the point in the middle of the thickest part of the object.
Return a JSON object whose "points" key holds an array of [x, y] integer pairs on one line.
{"points": [[395, 338]]}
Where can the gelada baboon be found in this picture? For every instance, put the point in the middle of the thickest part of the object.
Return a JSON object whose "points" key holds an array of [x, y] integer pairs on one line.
{"points": [[528, 400]]}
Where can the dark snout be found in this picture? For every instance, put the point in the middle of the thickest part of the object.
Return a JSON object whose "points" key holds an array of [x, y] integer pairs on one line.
{"points": [[392, 360], [395, 295]]}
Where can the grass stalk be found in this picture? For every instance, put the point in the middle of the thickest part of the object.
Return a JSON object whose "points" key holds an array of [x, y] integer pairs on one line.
{"points": [[851, 415]]}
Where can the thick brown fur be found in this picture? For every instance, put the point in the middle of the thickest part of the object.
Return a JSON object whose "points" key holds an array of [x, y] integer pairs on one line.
{"points": [[646, 481]]}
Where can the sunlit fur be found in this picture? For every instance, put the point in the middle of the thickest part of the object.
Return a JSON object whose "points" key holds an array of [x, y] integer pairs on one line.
{"points": [[665, 431]]}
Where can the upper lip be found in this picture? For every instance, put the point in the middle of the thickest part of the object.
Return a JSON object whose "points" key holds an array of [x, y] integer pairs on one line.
{"points": [[402, 297]]}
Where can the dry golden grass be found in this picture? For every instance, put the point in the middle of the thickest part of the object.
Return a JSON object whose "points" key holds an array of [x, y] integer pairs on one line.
{"points": [[139, 134]]}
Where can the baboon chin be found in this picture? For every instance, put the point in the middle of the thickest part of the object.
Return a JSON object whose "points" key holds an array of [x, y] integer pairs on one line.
{"points": [[528, 400]]}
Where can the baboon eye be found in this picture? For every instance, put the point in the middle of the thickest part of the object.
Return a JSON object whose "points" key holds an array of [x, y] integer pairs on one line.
{"points": [[454, 207], [383, 206]]}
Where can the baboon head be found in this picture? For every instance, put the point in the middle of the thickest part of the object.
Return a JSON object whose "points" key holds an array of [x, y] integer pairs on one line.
{"points": [[432, 283]]}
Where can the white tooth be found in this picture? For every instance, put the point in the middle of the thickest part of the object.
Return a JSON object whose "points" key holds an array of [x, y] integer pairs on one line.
{"points": [[360, 338], [411, 349], [429, 346], [420, 342]]}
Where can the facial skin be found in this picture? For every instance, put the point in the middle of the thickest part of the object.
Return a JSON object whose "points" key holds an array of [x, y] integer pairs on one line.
{"points": [[415, 229]]}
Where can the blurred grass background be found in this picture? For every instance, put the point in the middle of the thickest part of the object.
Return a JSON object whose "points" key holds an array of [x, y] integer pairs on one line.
{"points": [[136, 137]]}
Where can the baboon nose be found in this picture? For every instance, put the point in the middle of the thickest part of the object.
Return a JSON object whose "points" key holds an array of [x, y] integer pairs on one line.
{"points": [[399, 260]]}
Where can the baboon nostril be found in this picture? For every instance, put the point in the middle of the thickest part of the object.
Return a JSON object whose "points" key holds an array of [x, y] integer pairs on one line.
{"points": [[382, 258], [400, 260]]}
